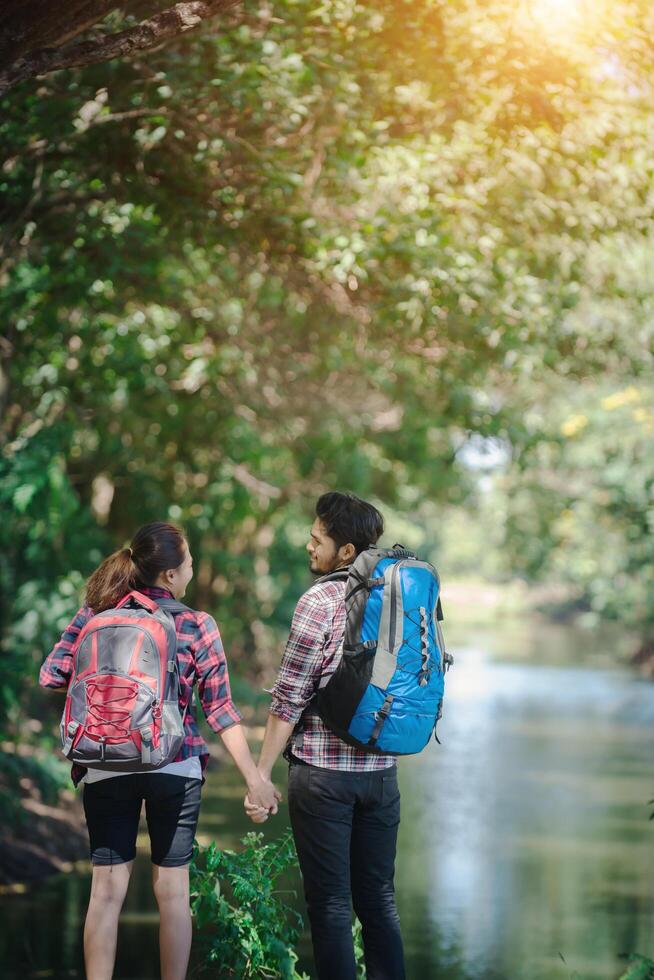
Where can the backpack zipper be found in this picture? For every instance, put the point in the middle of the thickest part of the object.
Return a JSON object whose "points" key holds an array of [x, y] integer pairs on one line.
{"points": [[393, 616]]}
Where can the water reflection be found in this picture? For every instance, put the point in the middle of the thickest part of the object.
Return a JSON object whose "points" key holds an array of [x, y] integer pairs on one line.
{"points": [[528, 828], [524, 837]]}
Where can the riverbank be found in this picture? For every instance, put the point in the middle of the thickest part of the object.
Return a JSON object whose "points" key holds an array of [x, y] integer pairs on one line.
{"points": [[42, 830], [521, 615], [39, 836]]}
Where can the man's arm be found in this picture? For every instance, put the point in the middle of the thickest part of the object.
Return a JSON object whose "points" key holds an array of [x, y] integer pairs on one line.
{"points": [[261, 791], [277, 735], [298, 678]]}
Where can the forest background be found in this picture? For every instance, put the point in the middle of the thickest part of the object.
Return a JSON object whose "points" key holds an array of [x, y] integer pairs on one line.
{"points": [[402, 248]]}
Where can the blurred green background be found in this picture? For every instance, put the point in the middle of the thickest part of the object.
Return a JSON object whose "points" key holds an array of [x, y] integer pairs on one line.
{"points": [[403, 248]]}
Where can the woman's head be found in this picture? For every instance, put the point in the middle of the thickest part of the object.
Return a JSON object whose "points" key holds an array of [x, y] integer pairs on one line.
{"points": [[158, 555]]}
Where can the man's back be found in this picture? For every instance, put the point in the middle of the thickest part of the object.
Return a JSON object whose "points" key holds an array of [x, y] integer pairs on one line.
{"points": [[313, 652]]}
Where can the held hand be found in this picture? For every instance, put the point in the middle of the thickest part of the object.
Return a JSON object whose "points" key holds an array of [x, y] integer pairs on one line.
{"points": [[266, 778], [257, 814], [263, 794]]}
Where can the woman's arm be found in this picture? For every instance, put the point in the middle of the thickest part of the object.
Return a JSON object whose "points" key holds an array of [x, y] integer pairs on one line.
{"points": [[58, 665], [222, 714], [261, 791]]}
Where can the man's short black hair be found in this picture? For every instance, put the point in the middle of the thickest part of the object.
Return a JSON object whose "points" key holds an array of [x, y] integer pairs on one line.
{"points": [[349, 520]]}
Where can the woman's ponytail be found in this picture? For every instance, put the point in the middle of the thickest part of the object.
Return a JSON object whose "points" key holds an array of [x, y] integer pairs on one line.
{"points": [[114, 578], [155, 548]]}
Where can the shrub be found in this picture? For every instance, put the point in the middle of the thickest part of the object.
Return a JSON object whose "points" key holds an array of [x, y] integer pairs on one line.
{"points": [[243, 924]]}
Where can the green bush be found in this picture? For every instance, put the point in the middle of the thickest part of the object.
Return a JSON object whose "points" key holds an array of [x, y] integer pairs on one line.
{"points": [[641, 968], [243, 924], [48, 773]]}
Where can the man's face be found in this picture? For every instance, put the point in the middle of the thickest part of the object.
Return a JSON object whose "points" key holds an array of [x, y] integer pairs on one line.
{"points": [[323, 553]]}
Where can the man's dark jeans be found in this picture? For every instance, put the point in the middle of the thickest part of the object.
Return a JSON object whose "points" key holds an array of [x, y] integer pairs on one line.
{"points": [[345, 828]]}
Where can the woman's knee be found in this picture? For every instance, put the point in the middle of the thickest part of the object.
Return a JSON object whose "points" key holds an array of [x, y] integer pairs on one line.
{"points": [[170, 884], [109, 883]]}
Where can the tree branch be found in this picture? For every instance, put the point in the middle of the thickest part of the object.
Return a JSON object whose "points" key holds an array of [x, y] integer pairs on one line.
{"points": [[170, 23]]}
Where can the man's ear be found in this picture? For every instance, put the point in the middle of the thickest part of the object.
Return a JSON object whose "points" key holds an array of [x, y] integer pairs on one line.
{"points": [[348, 552]]}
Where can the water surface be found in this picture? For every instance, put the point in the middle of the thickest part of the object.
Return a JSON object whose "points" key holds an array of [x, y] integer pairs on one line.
{"points": [[525, 848]]}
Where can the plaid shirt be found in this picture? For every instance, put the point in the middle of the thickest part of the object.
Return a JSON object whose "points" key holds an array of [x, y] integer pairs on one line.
{"points": [[314, 650], [201, 658]]}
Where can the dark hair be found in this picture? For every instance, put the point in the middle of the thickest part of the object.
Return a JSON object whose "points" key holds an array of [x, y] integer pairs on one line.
{"points": [[349, 520], [154, 549]]}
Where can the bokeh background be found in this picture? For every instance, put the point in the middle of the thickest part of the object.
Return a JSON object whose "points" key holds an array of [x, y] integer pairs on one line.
{"points": [[404, 248]]}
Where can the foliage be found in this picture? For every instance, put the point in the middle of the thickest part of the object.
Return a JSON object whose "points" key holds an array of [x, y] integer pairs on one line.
{"points": [[357, 936], [43, 771], [641, 968], [244, 926], [331, 244], [581, 505]]}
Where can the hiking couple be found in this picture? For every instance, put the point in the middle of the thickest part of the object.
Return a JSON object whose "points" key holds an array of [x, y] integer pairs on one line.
{"points": [[133, 639]]}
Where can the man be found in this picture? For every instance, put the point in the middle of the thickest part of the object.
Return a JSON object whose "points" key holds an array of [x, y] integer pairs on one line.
{"points": [[344, 803]]}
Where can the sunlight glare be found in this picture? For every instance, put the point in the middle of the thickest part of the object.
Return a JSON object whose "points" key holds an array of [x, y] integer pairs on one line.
{"points": [[564, 21], [557, 15]]}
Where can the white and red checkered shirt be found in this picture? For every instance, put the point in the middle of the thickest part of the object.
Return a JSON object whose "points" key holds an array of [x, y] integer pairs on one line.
{"points": [[314, 650]]}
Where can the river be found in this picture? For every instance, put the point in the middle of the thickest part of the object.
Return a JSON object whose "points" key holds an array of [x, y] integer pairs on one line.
{"points": [[525, 849]]}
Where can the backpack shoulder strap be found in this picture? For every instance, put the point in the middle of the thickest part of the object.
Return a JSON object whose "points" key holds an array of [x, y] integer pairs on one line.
{"points": [[173, 606], [297, 735], [340, 575]]}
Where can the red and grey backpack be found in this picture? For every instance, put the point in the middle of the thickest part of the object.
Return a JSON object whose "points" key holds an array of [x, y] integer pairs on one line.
{"points": [[122, 707]]}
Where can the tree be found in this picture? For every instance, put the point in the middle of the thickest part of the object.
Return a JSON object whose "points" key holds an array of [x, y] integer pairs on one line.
{"points": [[36, 39], [312, 250]]}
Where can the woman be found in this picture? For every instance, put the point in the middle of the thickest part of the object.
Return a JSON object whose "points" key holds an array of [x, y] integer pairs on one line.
{"points": [[159, 564]]}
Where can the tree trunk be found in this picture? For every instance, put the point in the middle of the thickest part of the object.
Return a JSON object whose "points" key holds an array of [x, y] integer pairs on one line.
{"points": [[37, 36]]}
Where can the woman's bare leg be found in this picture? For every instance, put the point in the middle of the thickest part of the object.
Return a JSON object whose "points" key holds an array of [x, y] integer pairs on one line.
{"points": [[108, 890], [171, 889]]}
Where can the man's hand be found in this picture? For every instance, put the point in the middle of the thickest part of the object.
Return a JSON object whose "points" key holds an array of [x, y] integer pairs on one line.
{"points": [[258, 802], [257, 814], [263, 794]]}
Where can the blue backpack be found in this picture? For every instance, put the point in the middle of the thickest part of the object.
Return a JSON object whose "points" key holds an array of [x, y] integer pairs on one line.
{"points": [[386, 693]]}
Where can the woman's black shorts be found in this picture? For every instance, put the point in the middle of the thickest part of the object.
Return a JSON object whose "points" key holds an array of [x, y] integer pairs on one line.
{"points": [[113, 808]]}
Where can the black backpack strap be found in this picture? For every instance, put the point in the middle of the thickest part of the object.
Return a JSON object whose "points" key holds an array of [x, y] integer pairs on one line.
{"points": [[402, 552], [340, 575], [173, 605], [296, 739]]}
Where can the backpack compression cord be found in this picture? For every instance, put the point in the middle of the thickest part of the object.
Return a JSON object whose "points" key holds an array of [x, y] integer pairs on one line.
{"points": [[122, 707]]}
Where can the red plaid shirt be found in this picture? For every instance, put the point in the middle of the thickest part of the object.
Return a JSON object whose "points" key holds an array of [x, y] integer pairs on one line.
{"points": [[201, 658], [314, 650]]}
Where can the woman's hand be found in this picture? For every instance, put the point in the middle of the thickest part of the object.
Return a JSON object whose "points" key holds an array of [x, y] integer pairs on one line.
{"points": [[263, 794], [260, 791], [257, 814]]}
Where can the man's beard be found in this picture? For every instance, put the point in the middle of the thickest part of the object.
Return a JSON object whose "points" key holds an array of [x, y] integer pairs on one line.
{"points": [[317, 573]]}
